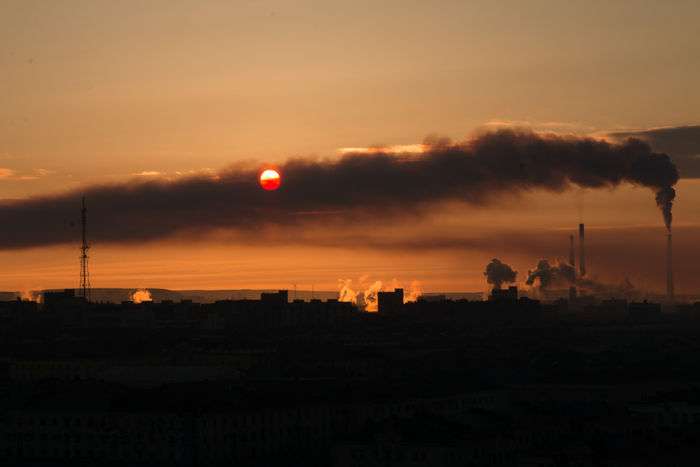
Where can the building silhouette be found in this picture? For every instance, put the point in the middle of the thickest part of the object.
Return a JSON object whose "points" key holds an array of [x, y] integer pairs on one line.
{"points": [[388, 302]]}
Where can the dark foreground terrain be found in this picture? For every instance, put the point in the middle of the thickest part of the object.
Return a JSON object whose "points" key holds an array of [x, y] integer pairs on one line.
{"points": [[271, 383]]}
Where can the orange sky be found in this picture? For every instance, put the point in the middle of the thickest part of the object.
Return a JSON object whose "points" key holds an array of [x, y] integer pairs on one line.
{"points": [[98, 91], [625, 239]]}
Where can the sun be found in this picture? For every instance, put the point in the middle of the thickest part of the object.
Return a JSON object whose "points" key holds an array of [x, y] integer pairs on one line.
{"points": [[270, 179]]}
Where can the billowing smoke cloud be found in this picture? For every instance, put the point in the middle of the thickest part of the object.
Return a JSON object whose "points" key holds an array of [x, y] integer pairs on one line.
{"points": [[141, 295], [624, 289], [564, 275], [346, 292], [498, 273], [682, 142], [371, 296], [547, 275], [355, 187], [414, 292], [368, 297], [664, 199], [31, 295]]}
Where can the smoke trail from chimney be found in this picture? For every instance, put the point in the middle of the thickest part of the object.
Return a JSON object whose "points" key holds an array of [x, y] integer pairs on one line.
{"points": [[482, 170], [664, 199], [547, 275]]}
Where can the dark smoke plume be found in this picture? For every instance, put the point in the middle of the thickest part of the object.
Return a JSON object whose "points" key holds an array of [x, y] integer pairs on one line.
{"points": [[353, 188], [547, 275], [498, 273], [664, 199], [681, 141], [623, 289]]}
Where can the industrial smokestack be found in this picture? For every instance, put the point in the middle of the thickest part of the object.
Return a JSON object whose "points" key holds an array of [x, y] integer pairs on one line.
{"points": [[581, 252], [572, 252], [669, 269]]}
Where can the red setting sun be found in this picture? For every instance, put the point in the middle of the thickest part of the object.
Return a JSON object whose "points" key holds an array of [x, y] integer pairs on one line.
{"points": [[270, 179]]}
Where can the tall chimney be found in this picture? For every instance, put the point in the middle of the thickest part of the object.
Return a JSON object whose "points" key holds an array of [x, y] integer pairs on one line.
{"points": [[581, 251], [669, 269], [572, 252]]}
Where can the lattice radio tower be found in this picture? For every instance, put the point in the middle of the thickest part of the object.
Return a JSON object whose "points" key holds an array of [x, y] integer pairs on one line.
{"points": [[84, 271]]}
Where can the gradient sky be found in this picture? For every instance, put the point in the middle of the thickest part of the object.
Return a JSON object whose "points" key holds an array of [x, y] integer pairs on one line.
{"points": [[102, 91]]}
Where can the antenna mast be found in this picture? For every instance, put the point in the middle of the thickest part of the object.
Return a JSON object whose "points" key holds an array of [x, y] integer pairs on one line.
{"points": [[84, 272]]}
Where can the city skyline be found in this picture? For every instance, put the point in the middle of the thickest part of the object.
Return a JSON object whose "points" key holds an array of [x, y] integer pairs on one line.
{"points": [[282, 233]]}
